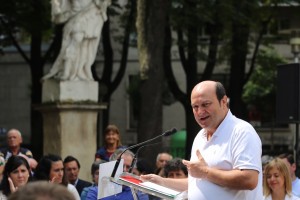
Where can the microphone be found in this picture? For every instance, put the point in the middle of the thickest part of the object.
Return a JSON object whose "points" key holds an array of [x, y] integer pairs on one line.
{"points": [[165, 134]]}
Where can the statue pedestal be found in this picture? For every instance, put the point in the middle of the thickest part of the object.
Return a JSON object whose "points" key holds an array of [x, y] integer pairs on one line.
{"points": [[69, 91], [70, 111]]}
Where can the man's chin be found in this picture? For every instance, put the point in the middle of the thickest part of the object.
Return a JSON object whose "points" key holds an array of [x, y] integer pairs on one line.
{"points": [[203, 125]]}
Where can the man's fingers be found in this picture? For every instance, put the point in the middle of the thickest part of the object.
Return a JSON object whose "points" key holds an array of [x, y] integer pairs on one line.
{"points": [[199, 155], [152, 178], [186, 162], [145, 177]]}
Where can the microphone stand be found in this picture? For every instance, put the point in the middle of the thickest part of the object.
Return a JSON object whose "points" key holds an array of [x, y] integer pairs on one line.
{"points": [[136, 156], [167, 133]]}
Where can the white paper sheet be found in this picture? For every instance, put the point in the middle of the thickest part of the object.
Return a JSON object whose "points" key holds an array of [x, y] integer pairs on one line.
{"points": [[105, 186]]}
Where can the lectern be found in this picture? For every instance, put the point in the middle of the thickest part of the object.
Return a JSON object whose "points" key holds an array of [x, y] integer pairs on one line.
{"points": [[108, 185], [136, 184]]}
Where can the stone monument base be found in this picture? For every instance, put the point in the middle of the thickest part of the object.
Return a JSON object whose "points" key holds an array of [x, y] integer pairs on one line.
{"points": [[69, 91], [70, 111]]}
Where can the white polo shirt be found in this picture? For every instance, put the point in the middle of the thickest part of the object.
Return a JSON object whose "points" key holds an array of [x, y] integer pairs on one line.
{"points": [[234, 145]]}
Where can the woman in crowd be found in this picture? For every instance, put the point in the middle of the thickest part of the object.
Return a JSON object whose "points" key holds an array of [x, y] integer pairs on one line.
{"points": [[16, 174], [277, 181], [112, 143], [51, 168]]}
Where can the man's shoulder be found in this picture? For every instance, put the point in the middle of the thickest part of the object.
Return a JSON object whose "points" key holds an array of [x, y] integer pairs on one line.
{"points": [[93, 190], [238, 125], [296, 182], [26, 152], [83, 182]]}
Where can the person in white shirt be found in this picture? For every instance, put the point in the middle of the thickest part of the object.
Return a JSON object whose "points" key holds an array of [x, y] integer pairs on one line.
{"points": [[51, 168], [277, 181], [226, 155]]}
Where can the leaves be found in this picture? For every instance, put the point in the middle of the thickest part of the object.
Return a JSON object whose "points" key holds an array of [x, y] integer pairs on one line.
{"points": [[24, 17], [262, 82]]}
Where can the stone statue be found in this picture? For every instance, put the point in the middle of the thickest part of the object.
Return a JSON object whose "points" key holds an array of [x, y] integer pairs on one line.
{"points": [[81, 35]]}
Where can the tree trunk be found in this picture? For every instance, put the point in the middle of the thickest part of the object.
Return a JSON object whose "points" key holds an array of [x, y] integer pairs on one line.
{"points": [[240, 35], [36, 95], [151, 20]]}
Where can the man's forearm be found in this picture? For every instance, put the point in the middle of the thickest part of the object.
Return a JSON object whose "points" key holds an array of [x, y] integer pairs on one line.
{"points": [[234, 179], [176, 184]]}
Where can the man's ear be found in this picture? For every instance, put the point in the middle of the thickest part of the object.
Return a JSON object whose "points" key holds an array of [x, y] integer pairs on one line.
{"points": [[224, 101]]}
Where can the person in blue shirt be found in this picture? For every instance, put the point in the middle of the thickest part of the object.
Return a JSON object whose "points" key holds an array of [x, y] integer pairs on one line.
{"points": [[125, 194], [112, 142], [126, 191], [95, 175]]}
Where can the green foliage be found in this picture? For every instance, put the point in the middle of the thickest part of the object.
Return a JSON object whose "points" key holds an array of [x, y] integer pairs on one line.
{"points": [[260, 90], [23, 18], [262, 81]]}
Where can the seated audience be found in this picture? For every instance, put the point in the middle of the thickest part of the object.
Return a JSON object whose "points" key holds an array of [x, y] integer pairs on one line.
{"points": [[265, 159], [126, 191], [2, 162], [14, 141], [42, 190], [95, 176], [112, 143], [72, 169], [15, 175], [175, 169], [50, 168], [290, 161], [160, 171], [142, 167], [162, 159], [277, 182]]}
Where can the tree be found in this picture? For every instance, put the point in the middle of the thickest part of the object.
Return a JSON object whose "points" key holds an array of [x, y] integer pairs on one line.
{"points": [[107, 85], [151, 21], [31, 18], [261, 87], [240, 29], [185, 20], [228, 26]]}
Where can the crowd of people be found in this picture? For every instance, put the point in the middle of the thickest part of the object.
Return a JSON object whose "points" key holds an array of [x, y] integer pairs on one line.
{"points": [[19, 169], [226, 162]]}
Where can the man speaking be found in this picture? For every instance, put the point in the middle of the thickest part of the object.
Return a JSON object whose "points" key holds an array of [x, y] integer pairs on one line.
{"points": [[226, 154]]}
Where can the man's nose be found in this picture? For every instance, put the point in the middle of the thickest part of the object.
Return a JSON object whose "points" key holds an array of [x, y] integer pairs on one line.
{"points": [[200, 110]]}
